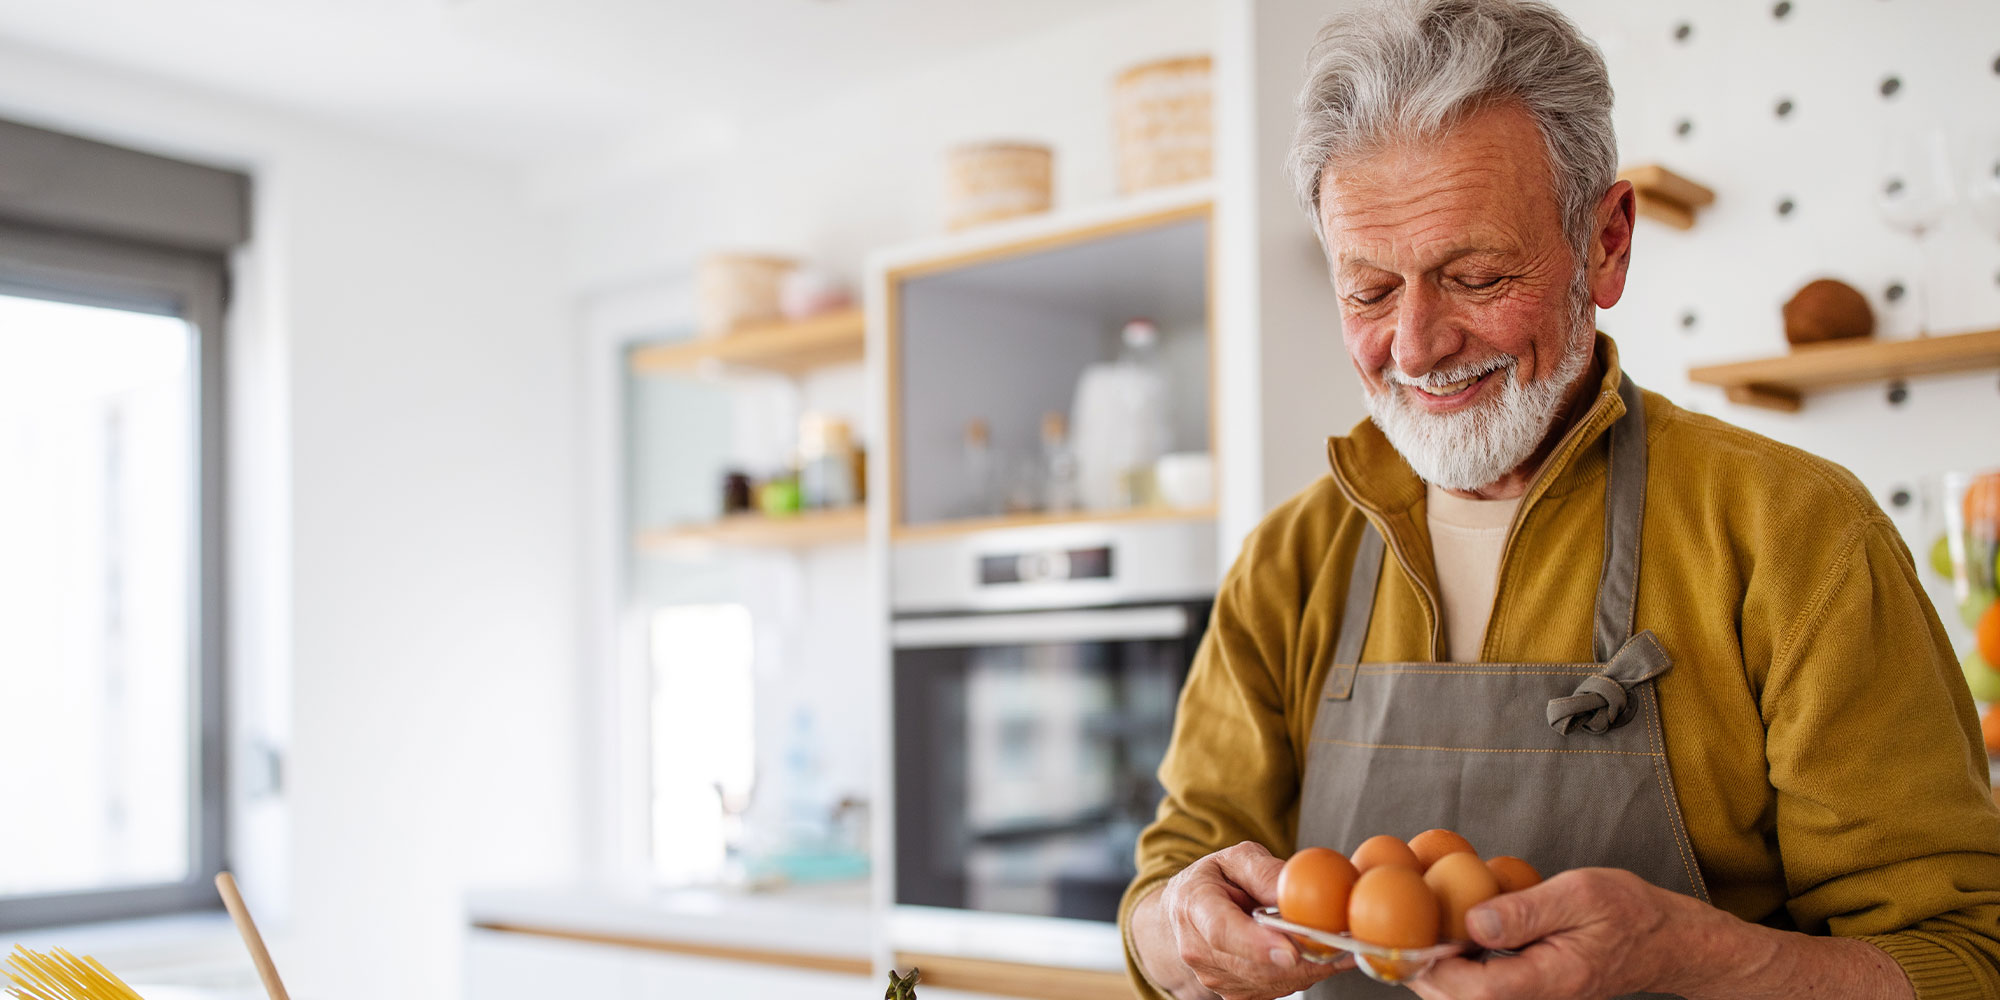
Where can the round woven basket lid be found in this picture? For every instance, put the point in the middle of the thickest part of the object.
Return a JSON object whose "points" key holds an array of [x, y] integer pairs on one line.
{"points": [[972, 148]]}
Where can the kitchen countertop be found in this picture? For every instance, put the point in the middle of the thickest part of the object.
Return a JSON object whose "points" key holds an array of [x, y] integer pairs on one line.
{"points": [[830, 926]]}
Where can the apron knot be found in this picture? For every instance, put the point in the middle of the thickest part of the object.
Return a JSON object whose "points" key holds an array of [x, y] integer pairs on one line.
{"points": [[1600, 702]]}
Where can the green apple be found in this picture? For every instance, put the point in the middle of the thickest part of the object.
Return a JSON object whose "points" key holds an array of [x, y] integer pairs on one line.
{"points": [[1941, 556], [1982, 679]]}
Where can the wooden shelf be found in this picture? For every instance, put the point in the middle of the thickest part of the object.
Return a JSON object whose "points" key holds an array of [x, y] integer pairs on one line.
{"points": [[1782, 383], [1665, 196], [801, 530], [1043, 982], [967, 526], [790, 348]]}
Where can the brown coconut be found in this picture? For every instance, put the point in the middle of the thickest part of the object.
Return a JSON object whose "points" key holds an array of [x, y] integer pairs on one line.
{"points": [[1827, 310]]}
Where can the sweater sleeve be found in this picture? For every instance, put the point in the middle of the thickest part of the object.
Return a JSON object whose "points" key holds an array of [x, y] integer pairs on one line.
{"points": [[1885, 820], [1230, 773]]}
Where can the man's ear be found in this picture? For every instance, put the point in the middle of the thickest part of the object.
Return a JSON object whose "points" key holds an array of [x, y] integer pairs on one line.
{"points": [[1611, 244]]}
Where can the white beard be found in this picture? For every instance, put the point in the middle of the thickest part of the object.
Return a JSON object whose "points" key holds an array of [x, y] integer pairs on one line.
{"points": [[1472, 448]]}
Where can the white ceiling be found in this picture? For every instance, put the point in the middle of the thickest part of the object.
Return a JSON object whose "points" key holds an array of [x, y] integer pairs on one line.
{"points": [[528, 80]]}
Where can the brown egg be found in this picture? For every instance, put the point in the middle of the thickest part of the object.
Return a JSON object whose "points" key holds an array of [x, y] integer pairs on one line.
{"points": [[1431, 845], [1313, 888], [1461, 882], [1392, 907], [1512, 873], [1384, 850]]}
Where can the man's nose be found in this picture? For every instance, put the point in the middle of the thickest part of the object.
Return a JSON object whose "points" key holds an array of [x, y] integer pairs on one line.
{"points": [[1424, 334]]}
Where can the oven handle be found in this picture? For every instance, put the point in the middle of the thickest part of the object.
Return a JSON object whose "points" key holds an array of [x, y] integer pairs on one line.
{"points": [[1107, 625]]}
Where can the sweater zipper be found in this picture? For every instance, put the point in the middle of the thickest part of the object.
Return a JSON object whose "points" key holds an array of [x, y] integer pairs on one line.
{"points": [[1536, 486], [1430, 598]]}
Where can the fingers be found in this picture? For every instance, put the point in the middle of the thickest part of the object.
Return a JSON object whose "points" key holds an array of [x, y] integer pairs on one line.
{"points": [[1252, 868], [1230, 953], [1516, 919], [1536, 974]]}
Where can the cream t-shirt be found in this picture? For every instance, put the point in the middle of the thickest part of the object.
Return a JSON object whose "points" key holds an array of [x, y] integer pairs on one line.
{"points": [[1466, 539]]}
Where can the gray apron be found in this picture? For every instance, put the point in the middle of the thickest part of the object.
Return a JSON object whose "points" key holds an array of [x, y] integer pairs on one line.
{"points": [[1558, 763]]}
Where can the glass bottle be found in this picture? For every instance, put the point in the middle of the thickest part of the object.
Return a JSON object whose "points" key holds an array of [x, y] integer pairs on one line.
{"points": [[978, 498], [1058, 466]]}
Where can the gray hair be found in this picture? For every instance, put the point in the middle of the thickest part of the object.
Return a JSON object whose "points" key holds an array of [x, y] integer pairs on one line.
{"points": [[1412, 69]]}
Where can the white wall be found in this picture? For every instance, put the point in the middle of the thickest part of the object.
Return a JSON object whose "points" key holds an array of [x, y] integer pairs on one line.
{"points": [[405, 525]]}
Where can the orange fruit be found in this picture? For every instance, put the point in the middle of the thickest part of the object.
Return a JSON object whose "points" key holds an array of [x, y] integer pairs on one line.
{"points": [[1313, 888], [1988, 634], [1431, 845], [1382, 850], [1989, 724]]}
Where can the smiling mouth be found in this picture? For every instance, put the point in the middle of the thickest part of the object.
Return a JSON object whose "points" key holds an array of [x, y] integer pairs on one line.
{"points": [[1451, 388]]}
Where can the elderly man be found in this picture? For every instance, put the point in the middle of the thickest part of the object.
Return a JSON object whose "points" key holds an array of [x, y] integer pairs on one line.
{"points": [[1686, 671]]}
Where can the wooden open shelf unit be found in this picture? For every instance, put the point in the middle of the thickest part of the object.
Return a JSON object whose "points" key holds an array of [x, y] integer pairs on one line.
{"points": [[1782, 383], [802, 530], [788, 348], [967, 526]]}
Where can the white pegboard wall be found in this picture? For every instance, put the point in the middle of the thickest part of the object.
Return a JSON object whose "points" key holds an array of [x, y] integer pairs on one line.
{"points": [[1783, 108]]}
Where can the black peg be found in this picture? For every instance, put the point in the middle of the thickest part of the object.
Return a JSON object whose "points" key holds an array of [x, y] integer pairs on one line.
{"points": [[1900, 497], [1683, 31], [1893, 293], [1899, 392], [1890, 85], [1785, 206], [1783, 9]]}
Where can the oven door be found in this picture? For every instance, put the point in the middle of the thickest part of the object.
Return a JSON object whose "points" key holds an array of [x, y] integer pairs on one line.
{"points": [[1026, 749]]}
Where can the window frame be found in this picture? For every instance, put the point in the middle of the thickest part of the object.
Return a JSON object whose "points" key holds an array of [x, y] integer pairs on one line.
{"points": [[192, 285]]}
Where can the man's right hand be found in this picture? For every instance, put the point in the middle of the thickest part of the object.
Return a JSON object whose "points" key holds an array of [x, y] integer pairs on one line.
{"points": [[1195, 938]]}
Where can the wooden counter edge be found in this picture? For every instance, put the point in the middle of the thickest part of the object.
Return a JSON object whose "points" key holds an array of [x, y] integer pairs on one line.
{"points": [[1043, 982], [699, 949]]}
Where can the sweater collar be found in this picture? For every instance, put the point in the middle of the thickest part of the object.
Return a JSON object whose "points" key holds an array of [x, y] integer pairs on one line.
{"points": [[1373, 475]]}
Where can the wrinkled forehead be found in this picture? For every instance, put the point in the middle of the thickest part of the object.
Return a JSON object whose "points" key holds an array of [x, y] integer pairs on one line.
{"points": [[1486, 184]]}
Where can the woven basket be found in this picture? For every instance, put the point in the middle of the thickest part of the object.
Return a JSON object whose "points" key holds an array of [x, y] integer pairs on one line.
{"points": [[1165, 128], [998, 180], [738, 289]]}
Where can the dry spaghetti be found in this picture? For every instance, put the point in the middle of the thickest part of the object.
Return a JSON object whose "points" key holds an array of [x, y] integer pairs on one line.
{"points": [[62, 976]]}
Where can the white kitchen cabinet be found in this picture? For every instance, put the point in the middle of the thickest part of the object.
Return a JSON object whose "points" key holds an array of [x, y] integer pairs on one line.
{"points": [[506, 966]]}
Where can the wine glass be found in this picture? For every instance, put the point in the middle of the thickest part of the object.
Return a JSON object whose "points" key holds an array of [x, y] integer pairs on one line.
{"points": [[1913, 194]]}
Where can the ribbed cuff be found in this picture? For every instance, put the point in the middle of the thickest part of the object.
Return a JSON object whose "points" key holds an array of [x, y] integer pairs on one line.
{"points": [[1936, 971], [1142, 985]]}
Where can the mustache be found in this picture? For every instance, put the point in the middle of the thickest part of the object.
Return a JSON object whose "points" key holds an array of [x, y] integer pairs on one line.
{"points": [[1446, 376]]}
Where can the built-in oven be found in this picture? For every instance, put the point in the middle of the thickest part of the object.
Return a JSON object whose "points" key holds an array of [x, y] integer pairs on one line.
{"points": [[1033, 684]]}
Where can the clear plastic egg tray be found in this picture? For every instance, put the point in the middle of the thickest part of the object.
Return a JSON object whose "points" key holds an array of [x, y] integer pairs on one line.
{"points": [[1384, 965]]}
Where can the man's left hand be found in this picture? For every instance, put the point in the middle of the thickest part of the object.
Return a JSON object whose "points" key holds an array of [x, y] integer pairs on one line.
{"points": [[1585, 934]]}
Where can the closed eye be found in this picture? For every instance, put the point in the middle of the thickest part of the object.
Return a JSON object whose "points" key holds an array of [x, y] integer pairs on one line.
{"points": [[1476, 283]]}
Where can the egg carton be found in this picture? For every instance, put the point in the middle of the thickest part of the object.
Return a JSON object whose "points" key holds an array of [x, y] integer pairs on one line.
{"points": [[1384, 965]]}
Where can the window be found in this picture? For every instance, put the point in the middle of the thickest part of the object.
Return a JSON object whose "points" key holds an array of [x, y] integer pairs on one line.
{"points": [[110, 578], [704, 750]]}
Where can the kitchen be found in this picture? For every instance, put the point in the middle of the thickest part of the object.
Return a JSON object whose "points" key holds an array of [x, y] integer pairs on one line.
{"points": [[460, 516]]}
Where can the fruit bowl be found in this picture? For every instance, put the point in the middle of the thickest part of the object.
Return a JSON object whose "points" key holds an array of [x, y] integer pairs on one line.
{"points": [[1384, 965]]}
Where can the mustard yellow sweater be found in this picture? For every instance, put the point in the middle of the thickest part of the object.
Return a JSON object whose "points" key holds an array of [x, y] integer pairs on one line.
{"points": [[1824, 747]]}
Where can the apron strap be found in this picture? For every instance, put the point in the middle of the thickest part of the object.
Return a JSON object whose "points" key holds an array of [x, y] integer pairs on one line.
{"points": [[1601, 702], [1624, 504], [1360, 607]]}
